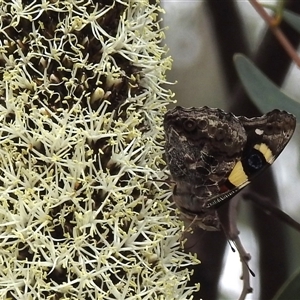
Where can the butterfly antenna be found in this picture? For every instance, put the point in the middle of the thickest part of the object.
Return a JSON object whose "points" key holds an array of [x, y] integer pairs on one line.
{"points": [[231, 247], [227, 239], [244, 260]]}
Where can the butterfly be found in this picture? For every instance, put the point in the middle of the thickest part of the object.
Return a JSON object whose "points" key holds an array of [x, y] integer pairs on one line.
{"points": [[212, 155]]}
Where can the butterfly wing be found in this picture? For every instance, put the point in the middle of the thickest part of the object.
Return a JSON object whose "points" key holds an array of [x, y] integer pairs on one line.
{"points": [[267, 136]]}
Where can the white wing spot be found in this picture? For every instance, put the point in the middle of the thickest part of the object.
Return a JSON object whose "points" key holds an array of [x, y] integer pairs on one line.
{"points": [[259, 131]]}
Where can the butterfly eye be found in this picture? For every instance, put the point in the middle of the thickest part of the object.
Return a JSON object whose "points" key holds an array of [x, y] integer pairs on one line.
{"points": [[189, 125]]}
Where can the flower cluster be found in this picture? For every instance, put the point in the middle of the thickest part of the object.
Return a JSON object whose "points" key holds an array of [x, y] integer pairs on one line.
{"points": [[81, 107]]}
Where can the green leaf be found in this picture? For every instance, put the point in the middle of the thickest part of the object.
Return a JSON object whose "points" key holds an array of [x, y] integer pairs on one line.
{"points": [[290, 290], [292, 19], [263, 92]]}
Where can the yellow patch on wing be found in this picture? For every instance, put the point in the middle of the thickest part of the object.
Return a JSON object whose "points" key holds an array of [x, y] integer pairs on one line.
{"points": [[237, 176], [265, 151]]}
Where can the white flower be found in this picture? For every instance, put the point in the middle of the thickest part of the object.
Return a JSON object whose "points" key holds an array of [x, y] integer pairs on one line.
{"points": [[81, 136]]}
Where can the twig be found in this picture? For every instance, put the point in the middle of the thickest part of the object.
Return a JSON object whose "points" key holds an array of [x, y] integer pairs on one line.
{"points": [[245, 257], [270, 208], [273, 25], [228, 218]]}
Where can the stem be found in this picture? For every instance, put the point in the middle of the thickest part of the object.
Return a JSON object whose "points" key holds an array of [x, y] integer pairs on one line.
{"points": [[273, 25]]}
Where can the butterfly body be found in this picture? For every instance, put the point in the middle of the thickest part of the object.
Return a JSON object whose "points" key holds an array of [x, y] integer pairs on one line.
{"points": [[212, 155]]}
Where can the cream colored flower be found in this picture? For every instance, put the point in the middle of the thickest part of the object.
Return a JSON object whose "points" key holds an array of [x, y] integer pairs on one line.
{"points": [[81, 108]]}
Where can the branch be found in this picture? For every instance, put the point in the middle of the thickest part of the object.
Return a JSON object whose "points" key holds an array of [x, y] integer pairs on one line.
{"points": [[273, 25], [228, 218], [269, 208], [245, 257]]}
